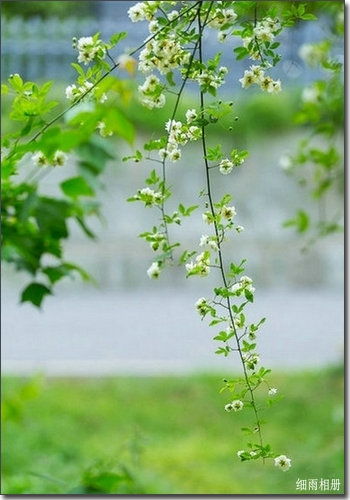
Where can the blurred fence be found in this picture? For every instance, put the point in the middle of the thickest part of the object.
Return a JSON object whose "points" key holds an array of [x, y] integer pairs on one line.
{"points": [[41, 48]]}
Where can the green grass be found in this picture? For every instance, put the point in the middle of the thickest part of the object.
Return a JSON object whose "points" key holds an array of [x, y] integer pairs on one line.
{"points": [[164, 435]]}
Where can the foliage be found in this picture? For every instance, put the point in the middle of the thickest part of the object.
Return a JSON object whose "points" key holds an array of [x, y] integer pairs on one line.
{"points": [[167, 433], [318, 163], [36, 225], [177, 49], [45, 9]]}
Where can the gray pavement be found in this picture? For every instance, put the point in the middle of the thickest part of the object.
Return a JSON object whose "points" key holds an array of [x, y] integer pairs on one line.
{"points": [[105, 333]]}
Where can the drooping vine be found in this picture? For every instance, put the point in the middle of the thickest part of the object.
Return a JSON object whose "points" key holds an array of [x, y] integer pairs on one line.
{"points": [[172, 56], [170, 51]]}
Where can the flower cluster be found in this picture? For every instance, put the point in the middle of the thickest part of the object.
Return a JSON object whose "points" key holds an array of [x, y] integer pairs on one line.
{"points": [[222, 20], [200, 266], [58, 160], [236, 405], [178, 134], [163, 54], [202, 306], [266, 29], [148, 196], [151, 94], [143, 11], [210, 241], [210, 79], [90, 49], [244, 284], [74, 93], [256, 74]]}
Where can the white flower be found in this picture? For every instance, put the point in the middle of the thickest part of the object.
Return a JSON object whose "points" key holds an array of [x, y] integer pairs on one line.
{"points": [[245, 280], [173, 15], [240, 452], [283, 462], [205, 240], [229, 407], [222, 36], [258, 72], [154, 270], [223, 70], [222, 17], [248, 79], [239, 229], [137, 12], [228, 212], [310, 94], [153, 26], [285, 162], [277, 86], [263, 33], [104, 132], [272, 391], [39, 159], [201, 305], [237, 405], [59, 159], [190, 266], [71, 91], [252, 453], [89, 48], [84, 42], [207, 218], [230, 15], [174, 155], [225, 166], [194, 133], [191, 115], [173, 126], [236, 287]]}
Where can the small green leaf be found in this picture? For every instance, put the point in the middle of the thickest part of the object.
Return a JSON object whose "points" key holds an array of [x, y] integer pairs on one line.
{"points": [[117, 37], [76, 186], [35, 293]]}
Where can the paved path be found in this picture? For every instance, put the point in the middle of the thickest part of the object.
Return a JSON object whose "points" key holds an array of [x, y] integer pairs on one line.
{"points": [[140, 333]]}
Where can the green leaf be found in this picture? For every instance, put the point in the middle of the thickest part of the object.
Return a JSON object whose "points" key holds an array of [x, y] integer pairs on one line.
{"points": [[241, 52], [78, 69], [248, 295], [119, 124], [117, 37], [309, 17], [170, 79], [76, 186], [301, 221], [35, 293]]}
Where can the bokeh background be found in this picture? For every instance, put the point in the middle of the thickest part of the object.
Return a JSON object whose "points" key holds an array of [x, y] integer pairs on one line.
{"points": [[113, 386]]}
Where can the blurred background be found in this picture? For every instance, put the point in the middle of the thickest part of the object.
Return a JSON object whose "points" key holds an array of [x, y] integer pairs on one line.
{"points": [[124, 328]]}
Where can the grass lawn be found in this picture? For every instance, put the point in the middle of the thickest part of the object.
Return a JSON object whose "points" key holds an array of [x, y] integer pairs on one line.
{"points": [[164, 435]]}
